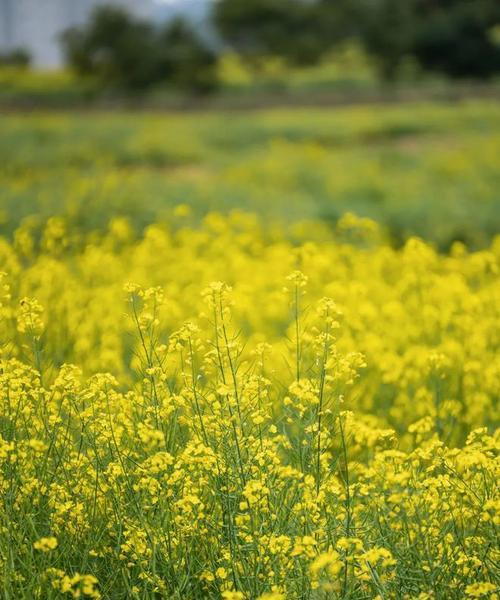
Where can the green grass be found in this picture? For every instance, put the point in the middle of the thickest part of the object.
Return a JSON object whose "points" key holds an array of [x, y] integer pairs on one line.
{"points": [[419, 169]]}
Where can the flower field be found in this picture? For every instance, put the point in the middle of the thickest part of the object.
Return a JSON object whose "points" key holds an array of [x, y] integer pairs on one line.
{"points": [[247, 404]]}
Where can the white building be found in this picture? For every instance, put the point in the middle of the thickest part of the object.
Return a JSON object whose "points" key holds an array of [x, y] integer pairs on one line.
{"points": [[36, 25]]}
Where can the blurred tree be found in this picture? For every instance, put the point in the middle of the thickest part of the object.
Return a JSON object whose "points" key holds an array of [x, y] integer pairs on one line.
{"points": [[185, 60], [259, 28], [125, 52], [19, 57], [387, 29], [118, 49], [456, 37]]}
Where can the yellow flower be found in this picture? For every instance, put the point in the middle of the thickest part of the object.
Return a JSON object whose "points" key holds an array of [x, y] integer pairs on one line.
{"points": [[221, 573], [480, 589], [45, 544], [229, 595]]}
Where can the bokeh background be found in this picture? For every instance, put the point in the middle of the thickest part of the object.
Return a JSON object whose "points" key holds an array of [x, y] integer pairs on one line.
{"points": [[165, 111]]}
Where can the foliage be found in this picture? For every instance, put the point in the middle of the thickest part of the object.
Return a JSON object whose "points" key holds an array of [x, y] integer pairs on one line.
{"points": [[114, 47], [185, 60], [457, 37], [419, 169], [449, 36], [387, 29], [20, 87], [18, 57], [259, 28], [126, 52], [348, 71]]}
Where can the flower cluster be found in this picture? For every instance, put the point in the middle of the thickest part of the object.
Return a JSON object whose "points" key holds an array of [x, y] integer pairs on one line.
{"points": [[320, 426]]}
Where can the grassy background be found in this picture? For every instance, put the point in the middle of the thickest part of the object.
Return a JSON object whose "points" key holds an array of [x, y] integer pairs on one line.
{"points": [[424, 169]]}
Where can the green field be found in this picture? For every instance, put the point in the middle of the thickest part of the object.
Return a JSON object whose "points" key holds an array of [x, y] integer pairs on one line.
{"points": [[425, 169]]}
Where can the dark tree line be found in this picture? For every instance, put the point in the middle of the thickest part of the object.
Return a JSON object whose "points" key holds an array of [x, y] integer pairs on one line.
{"points": [[458, 38], [15, 58], [454, 37]]}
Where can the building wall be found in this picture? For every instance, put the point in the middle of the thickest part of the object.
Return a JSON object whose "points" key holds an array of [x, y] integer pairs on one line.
{"points": [[37, 24]]}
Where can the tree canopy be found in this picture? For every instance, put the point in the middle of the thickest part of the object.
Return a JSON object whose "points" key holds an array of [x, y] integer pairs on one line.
{"points": [[130, 53]]}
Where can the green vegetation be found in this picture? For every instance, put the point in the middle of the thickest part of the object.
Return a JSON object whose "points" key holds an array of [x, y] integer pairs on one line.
{"points": [[424, 169], [345, 75], [259, 47], [454, 37], [15, 58], [20, 87], [122, 52]]}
